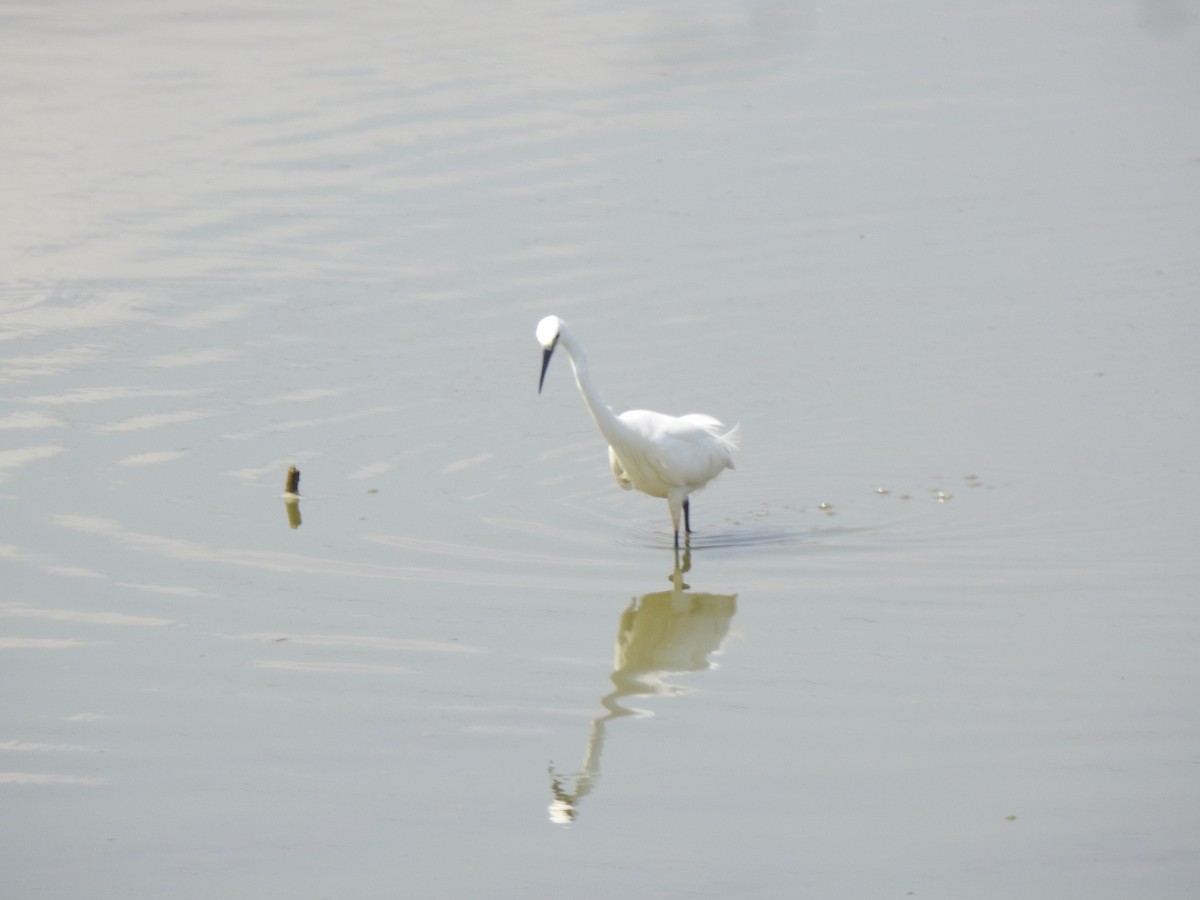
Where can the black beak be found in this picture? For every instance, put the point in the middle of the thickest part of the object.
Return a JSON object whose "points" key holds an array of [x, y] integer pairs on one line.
{"points": [[546, 354]]}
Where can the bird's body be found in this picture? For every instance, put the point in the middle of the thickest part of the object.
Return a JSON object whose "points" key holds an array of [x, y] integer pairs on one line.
{"points": [[660, 455]]}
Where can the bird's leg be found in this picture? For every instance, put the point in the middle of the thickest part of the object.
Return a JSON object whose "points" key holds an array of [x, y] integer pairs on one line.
{"points": [[681, 569], [687, 516]]}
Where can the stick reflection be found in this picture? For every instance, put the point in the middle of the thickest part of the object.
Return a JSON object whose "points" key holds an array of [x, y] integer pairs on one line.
{"points": [[291, 497], [659, 634], [292, 505]]}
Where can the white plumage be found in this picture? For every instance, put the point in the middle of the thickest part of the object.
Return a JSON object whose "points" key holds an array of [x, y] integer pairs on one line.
{"points": [[660, 455]]}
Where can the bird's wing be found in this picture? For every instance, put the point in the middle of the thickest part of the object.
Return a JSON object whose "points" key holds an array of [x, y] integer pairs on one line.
{"points": [[730, 438], [726, 441], [685, 451], [708, 423]]}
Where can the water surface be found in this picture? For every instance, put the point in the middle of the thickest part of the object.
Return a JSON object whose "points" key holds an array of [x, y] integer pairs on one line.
{"points": [[937, 633]]}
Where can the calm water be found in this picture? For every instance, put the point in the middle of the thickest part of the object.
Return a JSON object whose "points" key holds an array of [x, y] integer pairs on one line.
{"points": [[937, 635]]}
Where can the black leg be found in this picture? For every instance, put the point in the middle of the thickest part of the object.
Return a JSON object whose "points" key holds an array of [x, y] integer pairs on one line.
{"points": [[687, 516]]}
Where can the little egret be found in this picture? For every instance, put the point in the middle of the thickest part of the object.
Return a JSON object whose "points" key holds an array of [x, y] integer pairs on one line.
{"points": [[660, 455]]}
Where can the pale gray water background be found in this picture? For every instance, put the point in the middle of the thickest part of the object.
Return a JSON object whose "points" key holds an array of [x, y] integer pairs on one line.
{"points": [[947, 251]]}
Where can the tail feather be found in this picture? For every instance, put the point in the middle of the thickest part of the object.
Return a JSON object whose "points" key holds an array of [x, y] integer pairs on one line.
{"points": [[733, 437], [730, 439]]}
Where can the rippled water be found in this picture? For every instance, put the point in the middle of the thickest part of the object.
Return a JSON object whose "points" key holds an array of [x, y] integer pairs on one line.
{"points": [[935, 636]]}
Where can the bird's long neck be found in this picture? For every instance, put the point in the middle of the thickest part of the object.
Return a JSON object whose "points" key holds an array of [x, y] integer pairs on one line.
{"points": [[606, 420]]}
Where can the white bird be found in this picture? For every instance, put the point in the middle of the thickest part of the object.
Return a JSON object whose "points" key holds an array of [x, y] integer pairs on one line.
{"points": [[660, 455]]}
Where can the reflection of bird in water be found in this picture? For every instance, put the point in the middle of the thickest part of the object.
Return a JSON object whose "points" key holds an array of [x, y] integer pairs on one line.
{"points": [[659, 634], [660, 455]]}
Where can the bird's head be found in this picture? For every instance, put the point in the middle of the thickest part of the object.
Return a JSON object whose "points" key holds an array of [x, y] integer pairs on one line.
{"points": [[548, 331]]}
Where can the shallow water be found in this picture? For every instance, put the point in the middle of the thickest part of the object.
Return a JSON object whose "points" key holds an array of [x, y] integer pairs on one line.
{"points": [[936, 635]]}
